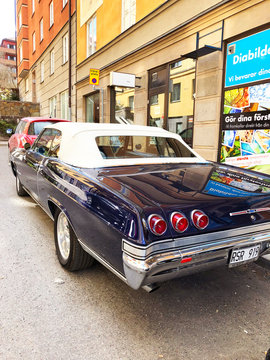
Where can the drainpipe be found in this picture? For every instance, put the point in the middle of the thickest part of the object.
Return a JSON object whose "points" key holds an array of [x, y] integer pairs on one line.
{"points": [[69, 58]]}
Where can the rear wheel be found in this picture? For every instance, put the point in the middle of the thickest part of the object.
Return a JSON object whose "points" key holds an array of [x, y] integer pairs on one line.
{"points": [[69, 251], [19, 188]]}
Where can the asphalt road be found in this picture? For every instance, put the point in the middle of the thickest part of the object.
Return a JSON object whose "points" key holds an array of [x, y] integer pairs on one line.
{"points": [[48, 313]]}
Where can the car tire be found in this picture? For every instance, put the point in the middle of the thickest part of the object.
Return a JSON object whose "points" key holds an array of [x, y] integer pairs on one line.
{"points": [[68, 249], [19, 188]]}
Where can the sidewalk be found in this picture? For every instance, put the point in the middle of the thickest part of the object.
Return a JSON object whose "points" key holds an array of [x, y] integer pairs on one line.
{"points": [[3, 142], [264, 261]]}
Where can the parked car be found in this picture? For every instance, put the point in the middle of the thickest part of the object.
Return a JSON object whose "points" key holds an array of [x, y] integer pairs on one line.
{"points": [[142, 203], [27, 131]]}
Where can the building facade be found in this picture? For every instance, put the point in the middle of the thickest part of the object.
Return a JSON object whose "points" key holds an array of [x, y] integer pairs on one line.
{"points": [[177, 55], [46, 49], [8, 77]]}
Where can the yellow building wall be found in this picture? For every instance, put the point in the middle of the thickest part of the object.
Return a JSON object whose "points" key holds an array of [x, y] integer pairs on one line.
{"points": [[108, 21], [144, 7], [109, 16]]}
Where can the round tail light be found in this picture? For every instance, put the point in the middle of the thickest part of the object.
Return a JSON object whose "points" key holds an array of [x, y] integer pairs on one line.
{"points": [[199, 219], [179, 222], [157, 224]]}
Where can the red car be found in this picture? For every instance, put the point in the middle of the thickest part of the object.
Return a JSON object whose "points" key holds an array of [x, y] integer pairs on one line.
{"points": [[27, 131]]}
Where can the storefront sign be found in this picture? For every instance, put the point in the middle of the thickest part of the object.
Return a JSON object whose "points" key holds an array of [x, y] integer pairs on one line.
{"points": [[94, 77], [248, 59], [245, 119], [122, 79]]}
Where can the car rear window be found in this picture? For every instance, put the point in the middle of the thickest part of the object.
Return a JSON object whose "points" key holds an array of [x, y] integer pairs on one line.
{"points": [[124, 147], [35, 128]]}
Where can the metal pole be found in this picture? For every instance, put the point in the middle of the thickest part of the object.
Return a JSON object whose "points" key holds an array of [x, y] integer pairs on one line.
{"points": [[69, 58]]}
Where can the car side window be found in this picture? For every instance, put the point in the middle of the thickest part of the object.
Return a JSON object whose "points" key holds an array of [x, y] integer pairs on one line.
{"points": [[55, 146], [44, 145], [21, 126]]}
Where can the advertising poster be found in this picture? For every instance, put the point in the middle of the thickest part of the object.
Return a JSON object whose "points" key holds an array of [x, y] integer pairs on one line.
{"points": [[245, 137], [235, 184]]}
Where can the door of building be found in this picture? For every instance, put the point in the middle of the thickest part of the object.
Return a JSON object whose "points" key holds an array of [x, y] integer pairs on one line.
{"points": [[92, 108]]}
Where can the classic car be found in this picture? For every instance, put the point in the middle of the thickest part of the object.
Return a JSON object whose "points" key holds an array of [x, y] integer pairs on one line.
{"points": [[27, 131], [142, 202]]}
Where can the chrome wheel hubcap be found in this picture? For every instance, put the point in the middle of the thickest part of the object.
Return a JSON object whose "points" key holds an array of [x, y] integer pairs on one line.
{"points": [[63, 236]]}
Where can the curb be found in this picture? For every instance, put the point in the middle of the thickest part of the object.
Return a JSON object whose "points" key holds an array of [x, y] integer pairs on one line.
{"points": [[264, 261]]}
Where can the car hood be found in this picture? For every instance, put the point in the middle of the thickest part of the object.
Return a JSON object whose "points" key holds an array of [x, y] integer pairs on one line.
{"points": [[218, 190]]}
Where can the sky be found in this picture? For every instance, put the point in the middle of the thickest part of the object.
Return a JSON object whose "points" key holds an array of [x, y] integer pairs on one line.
{"points": [[7, 19]]}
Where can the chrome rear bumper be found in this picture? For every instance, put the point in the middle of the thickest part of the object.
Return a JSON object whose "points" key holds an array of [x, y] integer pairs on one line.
{"points": [[164, 260]]}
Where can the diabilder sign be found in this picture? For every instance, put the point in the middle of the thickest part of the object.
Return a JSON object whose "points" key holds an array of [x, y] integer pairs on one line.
{"points": [[248, 59]]}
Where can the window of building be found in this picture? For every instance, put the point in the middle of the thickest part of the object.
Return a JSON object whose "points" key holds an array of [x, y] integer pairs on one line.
{"points": [[65, 48], [33, 6], [122, 102], [131, 102], [41, 29], [26, 84], [42, 68], [20, 53], [34, 42], [20, 19], [51, 14], [92, 108], [175, 94], [52, 62], [64, 3], [176, 64], [128, 13], [64, 105], [52, 104], [11, 57], [168, 107], [91, 36]]}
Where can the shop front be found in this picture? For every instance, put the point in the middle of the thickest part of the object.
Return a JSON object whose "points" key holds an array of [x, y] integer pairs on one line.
{"points": [[245, 118]]}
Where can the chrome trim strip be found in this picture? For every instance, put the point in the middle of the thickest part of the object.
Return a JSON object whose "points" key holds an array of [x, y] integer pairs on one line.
{"points": [[102, 261], [142, 252], [249, 211]]}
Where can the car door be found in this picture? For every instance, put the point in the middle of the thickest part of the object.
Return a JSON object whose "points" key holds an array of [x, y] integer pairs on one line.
{"points": [[35, 158], [15, 140], [46, 172]]}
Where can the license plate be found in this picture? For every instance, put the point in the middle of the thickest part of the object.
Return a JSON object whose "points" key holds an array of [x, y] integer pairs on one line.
{"points": [[243, 255]]}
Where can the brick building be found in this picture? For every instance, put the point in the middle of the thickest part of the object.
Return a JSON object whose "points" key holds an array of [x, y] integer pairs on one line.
{"points": [[46, 55]]}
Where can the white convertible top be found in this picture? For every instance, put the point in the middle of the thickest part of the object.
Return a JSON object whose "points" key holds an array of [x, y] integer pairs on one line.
{"points": [[79, 148]]}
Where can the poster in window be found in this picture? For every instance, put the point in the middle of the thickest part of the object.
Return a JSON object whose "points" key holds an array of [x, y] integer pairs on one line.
{"points": [[245, 137]]}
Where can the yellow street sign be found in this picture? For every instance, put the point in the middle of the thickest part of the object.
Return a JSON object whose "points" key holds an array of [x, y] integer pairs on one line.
{"points": [[94, 77]]}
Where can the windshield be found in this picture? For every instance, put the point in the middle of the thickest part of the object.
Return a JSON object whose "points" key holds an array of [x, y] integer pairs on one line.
{"points": [[35, 128], [125, 147]]}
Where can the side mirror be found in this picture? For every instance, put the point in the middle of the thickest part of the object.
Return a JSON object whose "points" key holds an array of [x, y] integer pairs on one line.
{"points": [[27, 146], [9, 131]]}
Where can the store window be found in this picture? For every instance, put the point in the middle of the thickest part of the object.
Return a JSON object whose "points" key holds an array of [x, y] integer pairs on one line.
{"points": [[64, 105], [52, 104], [122, 105], [171, 100], [92, 108]]}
